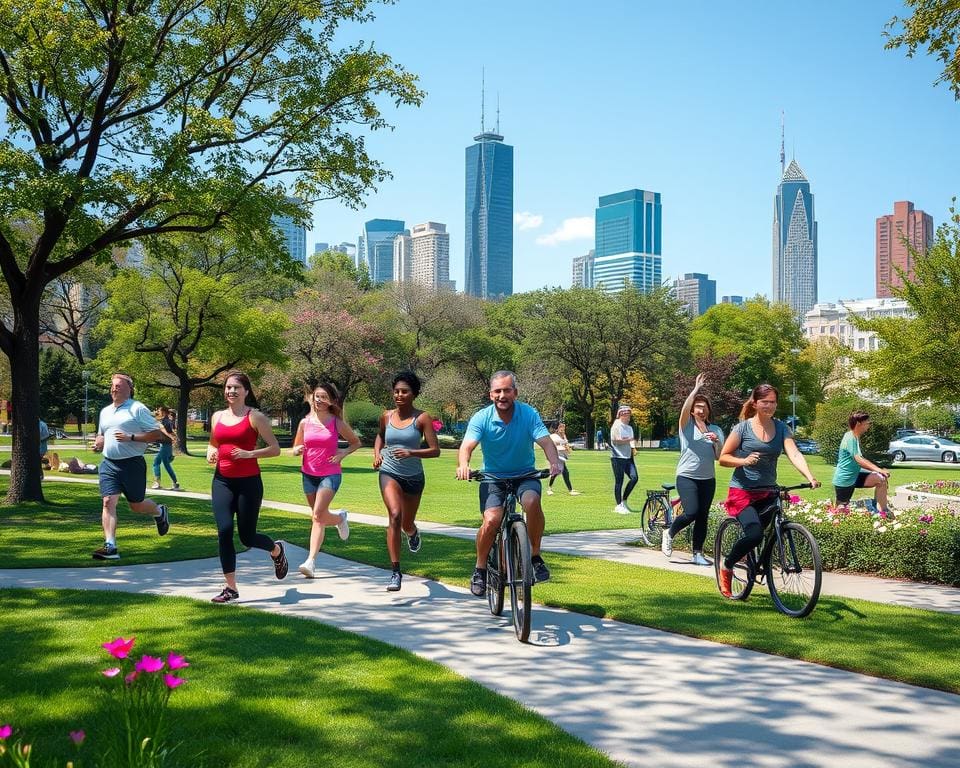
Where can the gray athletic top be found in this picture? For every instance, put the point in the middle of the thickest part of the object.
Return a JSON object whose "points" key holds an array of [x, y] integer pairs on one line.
{"points": [[401, 437], [697, 454], [764, 473]]}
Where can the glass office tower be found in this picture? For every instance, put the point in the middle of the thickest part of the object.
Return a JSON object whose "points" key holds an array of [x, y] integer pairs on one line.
{"points": [[628, 241], [488, 236]]}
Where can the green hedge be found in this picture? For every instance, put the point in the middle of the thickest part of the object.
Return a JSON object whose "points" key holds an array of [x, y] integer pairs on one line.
{"points": [[831, 424], [364, 417]]}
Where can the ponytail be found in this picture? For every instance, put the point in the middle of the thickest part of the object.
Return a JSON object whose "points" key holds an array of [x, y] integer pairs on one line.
{"points": [[749, 409]]}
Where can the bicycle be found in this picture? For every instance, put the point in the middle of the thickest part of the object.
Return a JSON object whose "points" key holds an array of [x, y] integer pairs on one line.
{"points": [[508, 563], [657, 515], [788, 559]]}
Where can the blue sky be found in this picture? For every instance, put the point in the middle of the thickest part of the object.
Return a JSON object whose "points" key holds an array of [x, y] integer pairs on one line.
{"points": [[682, 99]]}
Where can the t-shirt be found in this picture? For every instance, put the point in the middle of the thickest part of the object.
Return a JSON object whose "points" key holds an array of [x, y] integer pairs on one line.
{"points": [[620, 431], [847, 469], [697, 454], [763, 474], [130, 416], [44, 436], [507, 448], [563, 446]]}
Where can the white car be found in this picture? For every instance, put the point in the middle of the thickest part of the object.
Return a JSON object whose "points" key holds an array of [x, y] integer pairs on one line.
{"points": [[924, 448]]}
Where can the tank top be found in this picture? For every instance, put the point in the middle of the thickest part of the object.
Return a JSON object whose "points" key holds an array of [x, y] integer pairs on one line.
{"points": [[319, 444], [242, 435], [408, 437]]}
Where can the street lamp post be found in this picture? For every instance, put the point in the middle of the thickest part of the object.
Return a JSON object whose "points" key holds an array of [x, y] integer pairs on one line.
{"points": [[86, 383]]}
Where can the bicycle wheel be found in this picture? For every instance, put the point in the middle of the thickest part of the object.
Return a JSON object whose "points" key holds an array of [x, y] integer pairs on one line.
{"points": [[794, 571], [653, 518], [521, 579], [728, 534], [496, 574]]}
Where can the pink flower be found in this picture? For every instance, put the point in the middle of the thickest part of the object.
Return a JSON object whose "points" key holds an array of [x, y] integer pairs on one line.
{"points": [[923, 531], [437, 425], [77, 737], [149, 664], [5, 731], [112, 672], [119, 648], [883, 515], [794, 499], [172, 681], [926, 518], [131, 677], [176, 662]]}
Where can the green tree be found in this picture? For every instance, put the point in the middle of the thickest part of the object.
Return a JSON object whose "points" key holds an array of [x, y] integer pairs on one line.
{"points": [[126, 121], [328, 263], [935, 24], [919, 357], [725, 400], [832, 422], [188, 315], [61, 387], [931, 416]]}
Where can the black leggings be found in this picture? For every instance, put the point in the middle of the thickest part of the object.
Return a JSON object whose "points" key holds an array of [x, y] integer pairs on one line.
{"points": [[240, 496], [696, 496], [753, 523], [566, 476], [623, 467]]}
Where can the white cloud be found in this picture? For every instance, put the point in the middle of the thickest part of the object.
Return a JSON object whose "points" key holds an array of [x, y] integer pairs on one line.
{"points": [[527, 220], [578, 228]]}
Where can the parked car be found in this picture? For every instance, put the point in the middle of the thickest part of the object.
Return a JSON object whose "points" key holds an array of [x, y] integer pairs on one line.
{"points": [[806, 445], [924, 448]]}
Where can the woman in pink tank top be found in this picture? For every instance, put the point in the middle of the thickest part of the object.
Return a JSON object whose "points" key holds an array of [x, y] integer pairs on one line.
{"points": [[316, 441], [237, 488]]}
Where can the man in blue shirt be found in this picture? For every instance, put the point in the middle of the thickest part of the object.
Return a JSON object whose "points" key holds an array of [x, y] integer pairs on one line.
{"points": [[506, 432], [125, 428]]}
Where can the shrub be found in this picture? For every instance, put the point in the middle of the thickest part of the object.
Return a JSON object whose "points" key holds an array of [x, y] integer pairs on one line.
{"points": [[364, 418], [831, 424]]}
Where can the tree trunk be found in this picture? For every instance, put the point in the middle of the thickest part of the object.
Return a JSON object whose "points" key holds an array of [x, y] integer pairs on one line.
{"points": [[183, 405], [25, 472]]}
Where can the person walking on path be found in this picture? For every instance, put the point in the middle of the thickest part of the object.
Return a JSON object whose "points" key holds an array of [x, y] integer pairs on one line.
{"points": [[752, 449], [506, 432], [125, 428], [237, 488], [854, 470], [165, 454], [559, 436], [321, 472], [621, 458], [700, 443], [398, 456]]}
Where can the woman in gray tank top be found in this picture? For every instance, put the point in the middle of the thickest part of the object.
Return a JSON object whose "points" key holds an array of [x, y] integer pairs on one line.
{"points": [[397, 454]]}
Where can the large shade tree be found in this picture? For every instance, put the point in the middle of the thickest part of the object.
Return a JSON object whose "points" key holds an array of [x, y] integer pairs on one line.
{"points": [[128, 120]]}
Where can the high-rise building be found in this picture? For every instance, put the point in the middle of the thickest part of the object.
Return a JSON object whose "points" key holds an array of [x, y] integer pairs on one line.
{"points": [[794, 242], [628, 235], [583, 270], [321, 247], [905, 227], [737, 301], [402, 257], [697, 291], [488, 236], [294, 234], [376, 244], [430, 256]]}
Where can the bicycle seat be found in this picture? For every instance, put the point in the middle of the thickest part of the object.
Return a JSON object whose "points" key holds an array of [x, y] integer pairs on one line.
{"points": [[667, 487]]}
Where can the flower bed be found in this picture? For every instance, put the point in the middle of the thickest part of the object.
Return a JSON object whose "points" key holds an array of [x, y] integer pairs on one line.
{"points": [[937, 488]]}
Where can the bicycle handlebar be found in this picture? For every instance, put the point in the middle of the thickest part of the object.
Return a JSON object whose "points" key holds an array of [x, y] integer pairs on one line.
{"points": [[537, 474]]}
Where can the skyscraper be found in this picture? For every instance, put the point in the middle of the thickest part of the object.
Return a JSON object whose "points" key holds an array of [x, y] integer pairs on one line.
{"points": [[294, 234], [376, 242], [794, 242], [582, 276], [628, 235], [430, 256], [488, 236], [697, 291], [916, 227], [402, 256]]}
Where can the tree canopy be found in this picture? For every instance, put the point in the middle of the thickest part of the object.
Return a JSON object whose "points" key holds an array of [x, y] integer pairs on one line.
{"points": [[936, 25]]}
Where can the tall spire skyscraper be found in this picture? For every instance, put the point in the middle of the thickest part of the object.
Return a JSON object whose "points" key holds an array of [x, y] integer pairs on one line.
{"points": [[794, 242]]}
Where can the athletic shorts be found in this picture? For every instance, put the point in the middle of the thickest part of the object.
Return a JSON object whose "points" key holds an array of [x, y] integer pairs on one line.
{"points": [[412, 485], [313, 483], [124, 476], [493, 494], [845, 493]]}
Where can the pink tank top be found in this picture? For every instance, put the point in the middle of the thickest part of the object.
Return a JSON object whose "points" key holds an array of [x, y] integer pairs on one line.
{"points": [[242, 435], [319, 444]]}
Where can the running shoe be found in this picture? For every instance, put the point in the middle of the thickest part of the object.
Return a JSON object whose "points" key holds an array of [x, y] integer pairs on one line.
{"points": [[549, 491], [699, 559], [280, 565], [176, 487], [106, 552], [343, 527], [155, 486], [621, 509], [307, 568], [726, 581], [395, 579], [666, 543], [540, 570], [478, 584], [226, 596], [162, 520], [575, 493], [414, 541]]}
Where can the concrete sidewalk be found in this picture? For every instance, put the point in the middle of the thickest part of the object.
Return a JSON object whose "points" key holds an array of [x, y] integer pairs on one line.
{"points": [[645, 697]]}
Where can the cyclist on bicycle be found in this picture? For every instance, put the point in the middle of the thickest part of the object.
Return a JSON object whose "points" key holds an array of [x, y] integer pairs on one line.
{"points": [[506, 431], [752, 448]]}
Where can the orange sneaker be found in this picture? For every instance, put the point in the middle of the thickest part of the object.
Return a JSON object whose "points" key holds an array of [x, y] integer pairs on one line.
{"points": [[726, 579]]}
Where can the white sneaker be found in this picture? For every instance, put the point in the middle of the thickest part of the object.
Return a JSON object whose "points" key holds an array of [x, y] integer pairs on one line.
{"points": [[699, 559], [155, 486], [343, 527], [307, 568], [666, 542], [549, 491], [574, 493], [621, 509]]}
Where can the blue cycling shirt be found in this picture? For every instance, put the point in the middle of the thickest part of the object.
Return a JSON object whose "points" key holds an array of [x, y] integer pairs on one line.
{"points": [[507, 448]]}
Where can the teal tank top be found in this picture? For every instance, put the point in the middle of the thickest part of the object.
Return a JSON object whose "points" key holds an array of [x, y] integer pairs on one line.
{"points": [[402, 437]]}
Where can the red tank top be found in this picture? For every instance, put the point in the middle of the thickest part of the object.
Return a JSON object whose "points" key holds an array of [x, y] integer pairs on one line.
{"points": [[242, 435]]}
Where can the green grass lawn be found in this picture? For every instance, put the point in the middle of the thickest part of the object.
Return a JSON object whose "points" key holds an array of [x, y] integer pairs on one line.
{"points": [[887, 641], [263, 690], [447, 500]]}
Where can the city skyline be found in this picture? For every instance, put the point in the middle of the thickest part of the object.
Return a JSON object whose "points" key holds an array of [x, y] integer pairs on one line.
{"points": [[704, 131]]}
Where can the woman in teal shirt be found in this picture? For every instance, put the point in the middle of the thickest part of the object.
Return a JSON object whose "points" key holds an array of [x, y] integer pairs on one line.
{"points": [[853, 470]]}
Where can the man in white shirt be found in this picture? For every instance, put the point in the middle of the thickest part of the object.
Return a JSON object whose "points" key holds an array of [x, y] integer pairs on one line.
{"points": [[621, 458], [125, 428]]}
